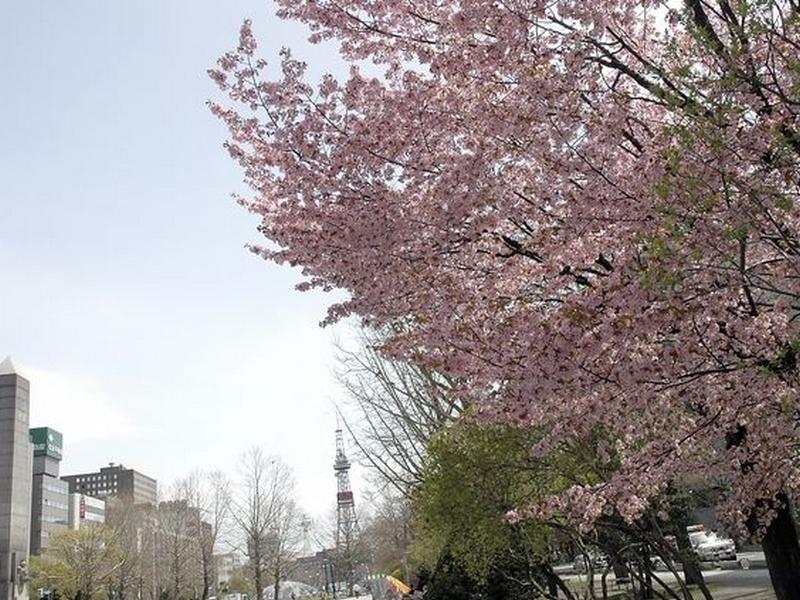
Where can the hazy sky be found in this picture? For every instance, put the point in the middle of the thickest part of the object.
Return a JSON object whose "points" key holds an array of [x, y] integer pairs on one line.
{"points": [[150, 335]]}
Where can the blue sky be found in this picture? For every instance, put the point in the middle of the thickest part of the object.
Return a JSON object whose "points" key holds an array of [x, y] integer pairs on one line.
{"points": [[150, 335]]}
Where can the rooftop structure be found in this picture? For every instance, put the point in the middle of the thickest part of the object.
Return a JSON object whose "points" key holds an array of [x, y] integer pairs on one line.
{"points": [[115, 481]]}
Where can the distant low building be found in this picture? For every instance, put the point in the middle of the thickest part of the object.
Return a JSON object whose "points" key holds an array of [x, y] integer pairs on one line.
{"points": [[115, 481], [312, 569], [86, 511]]}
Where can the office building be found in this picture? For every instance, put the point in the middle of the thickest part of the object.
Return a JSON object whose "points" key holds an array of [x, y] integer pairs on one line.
{"points": [[15, 482], [85, 511], [115, 481], [49, 508]]}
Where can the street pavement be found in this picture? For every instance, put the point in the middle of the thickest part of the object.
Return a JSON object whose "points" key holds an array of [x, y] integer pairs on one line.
{"points": [[753, 584], [726, 581]]}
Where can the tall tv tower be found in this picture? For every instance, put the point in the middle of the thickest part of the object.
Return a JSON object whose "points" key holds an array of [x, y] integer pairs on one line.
{"points": [[346, 520]]}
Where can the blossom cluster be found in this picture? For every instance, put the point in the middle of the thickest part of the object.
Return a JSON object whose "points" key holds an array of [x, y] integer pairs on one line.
{"points": [[586, 211]]}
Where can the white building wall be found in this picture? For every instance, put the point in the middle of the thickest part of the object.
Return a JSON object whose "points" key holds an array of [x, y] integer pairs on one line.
{"points": [[85, 510]]}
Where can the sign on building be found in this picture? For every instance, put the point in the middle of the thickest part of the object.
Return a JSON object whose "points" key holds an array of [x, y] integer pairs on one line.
{"points": [[47, 442]]}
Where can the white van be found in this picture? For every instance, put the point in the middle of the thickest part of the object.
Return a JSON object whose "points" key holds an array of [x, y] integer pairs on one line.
{"points": [[709, 546]]}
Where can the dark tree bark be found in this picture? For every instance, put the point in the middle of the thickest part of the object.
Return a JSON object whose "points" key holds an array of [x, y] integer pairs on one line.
{"points": [[277, 586], [556, 584], [780, 544], [257, 577], [618, 567], [552, 588], [647, 580], [692, 575], [782, 551]]}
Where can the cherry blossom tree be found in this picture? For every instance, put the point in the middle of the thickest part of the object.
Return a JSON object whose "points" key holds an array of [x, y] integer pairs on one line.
{"points": [[585, 211]]}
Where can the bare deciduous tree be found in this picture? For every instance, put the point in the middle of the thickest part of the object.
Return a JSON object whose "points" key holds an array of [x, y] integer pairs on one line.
{"points": [[210, 494], [397, 407], [285, 538], [89, 558], [265, 491], [387, 531], [179, 527], [131, 527]]}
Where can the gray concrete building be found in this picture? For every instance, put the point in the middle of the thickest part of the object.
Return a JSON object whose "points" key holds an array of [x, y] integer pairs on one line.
{"points": [[50, 497], [115, 481], [15, 482]]}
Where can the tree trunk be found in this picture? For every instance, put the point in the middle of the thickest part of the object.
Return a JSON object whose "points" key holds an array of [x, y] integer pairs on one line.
{"points": [[780, 544], [554, 581], [277, 584], [257, 581], [618, 567], [647, 581], [207, 560], [692, 574], [782, 551], [206, 581], [552, 587]]}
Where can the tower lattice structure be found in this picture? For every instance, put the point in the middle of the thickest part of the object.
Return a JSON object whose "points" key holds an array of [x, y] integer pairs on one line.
{"points": [[346, 520]]}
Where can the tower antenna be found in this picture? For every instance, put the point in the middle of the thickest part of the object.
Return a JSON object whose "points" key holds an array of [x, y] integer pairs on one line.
{"points": [[346, 520]]}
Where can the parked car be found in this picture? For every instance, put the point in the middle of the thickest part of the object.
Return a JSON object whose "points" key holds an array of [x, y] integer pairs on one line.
{"points": [[709, 546], [598, 563]]}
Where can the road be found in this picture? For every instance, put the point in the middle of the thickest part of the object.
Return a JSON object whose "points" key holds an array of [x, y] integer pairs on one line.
{"points": [[726, 582]]}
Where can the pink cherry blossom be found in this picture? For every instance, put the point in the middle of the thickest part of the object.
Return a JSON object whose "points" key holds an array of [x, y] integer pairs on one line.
{"points": [[587, 211]]}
